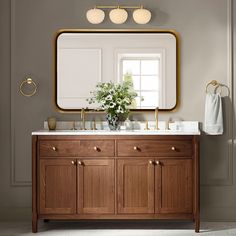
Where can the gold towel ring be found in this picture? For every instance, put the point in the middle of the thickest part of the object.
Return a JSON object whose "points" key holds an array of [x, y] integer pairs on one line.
{"points": [[28, 82], [214, 83]]}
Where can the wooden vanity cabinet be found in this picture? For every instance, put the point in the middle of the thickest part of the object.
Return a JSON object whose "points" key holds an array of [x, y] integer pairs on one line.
{"points": [[60, 178], [96, 186], [57, 186], [115, 177], [154, 186]]}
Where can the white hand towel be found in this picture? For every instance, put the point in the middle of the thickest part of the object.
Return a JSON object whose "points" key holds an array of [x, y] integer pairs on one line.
{"points": [[213, 114]]}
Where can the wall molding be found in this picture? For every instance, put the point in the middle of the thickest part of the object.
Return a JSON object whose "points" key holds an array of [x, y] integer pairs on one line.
{"points": [[14, 181], [230, 121]]}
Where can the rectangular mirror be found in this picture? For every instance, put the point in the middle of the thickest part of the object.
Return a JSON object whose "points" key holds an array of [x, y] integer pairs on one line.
{"points": [[149, 58]]}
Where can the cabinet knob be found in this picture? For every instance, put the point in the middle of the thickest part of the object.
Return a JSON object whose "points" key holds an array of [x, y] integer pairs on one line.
{"points": [[157, 162], [135, 148], [150, 162], [79, 163], [95, 148], [73, 162], [173, 148], [54, 148]]}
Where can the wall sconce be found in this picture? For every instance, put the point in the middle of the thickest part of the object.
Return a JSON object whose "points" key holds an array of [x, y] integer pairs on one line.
{"points": [[118, 14]]}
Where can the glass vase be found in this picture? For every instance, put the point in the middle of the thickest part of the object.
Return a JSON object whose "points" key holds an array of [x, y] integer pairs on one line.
{"points": [[113, 121]]}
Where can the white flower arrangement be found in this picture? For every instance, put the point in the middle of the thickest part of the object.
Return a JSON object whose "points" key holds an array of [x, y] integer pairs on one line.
{"points": [[115, 99]]}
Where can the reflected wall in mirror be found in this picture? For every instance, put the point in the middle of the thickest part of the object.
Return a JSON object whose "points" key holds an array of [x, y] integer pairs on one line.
{"points": [[148, 58]]}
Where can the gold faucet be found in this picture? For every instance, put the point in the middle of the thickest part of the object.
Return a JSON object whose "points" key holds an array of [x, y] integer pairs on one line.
{"points": [[83, 118], [94, 125], [156, 118], [146, 126], [73, 127]]}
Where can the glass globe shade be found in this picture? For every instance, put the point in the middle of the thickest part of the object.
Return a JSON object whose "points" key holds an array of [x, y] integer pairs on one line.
{"points": [[142, 16], [118, 16], [95, 16]]}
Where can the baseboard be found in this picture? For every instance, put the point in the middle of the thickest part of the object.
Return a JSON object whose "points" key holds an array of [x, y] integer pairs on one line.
{"points": [[211, 214], [15, 213]]}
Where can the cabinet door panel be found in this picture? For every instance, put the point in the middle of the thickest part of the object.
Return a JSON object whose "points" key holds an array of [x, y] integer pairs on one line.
{"points": [[135, 186], [173, 186], [57, 186], [96, 186]]}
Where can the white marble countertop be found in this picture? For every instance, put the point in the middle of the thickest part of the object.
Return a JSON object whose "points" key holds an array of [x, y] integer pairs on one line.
{"points": [[120, 132]]}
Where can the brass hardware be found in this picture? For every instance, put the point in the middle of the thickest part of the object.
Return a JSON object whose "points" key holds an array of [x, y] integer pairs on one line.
{"points": [[157, 162], [28, 82], [94, 125], [83, 118], [168, 124], [118, 6], [213, 83], [73, 162], [146, 127], [150, 162], [95, 148], [135, 148], [156, 118], [173, 148], [73, 126], [54, 148], [79, 163], [217, 85]]}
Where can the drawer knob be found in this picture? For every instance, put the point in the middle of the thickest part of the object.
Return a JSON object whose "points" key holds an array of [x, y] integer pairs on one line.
{"points": [[150, 162], [54, 148], [135, 148], [79, 163], [157, 162], [96, 148], [173, 148], [73, 162]]}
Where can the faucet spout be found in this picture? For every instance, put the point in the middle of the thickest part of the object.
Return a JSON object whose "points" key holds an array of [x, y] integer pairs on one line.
{"points": [[156, 118]]}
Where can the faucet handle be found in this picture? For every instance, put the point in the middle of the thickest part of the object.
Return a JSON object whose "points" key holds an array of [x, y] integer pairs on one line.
{"points": [[156, 112], [73, 126], [94, 125], [82, 113], [146, 126], [156, 118]]}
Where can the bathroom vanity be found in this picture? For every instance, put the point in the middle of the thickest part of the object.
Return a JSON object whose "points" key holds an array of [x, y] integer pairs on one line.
{"points": [[115, 175]]}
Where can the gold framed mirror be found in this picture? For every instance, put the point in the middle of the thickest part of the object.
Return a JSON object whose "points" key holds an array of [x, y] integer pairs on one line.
{"points": [[148, 57]]}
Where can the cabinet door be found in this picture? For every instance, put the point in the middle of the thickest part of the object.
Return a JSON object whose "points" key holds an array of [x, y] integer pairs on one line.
{"points": [[173, 186], [57, 186], [135, 186], [96, 186]]}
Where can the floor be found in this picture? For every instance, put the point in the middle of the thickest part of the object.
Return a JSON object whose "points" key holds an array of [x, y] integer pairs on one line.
{"points": [[117, 229]]}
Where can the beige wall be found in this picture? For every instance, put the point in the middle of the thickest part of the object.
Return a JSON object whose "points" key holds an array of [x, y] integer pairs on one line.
{"points": [[27, 28]]}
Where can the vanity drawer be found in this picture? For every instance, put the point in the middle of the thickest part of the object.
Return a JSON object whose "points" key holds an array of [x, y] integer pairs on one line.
{"points": [[155, 148], [85, 148], [55, 148], [96, 148]]}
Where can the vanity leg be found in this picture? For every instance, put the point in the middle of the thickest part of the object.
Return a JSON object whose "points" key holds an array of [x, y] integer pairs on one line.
{"points": [[34, 185], [197, 185], [34, 224], [197, 225]]}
